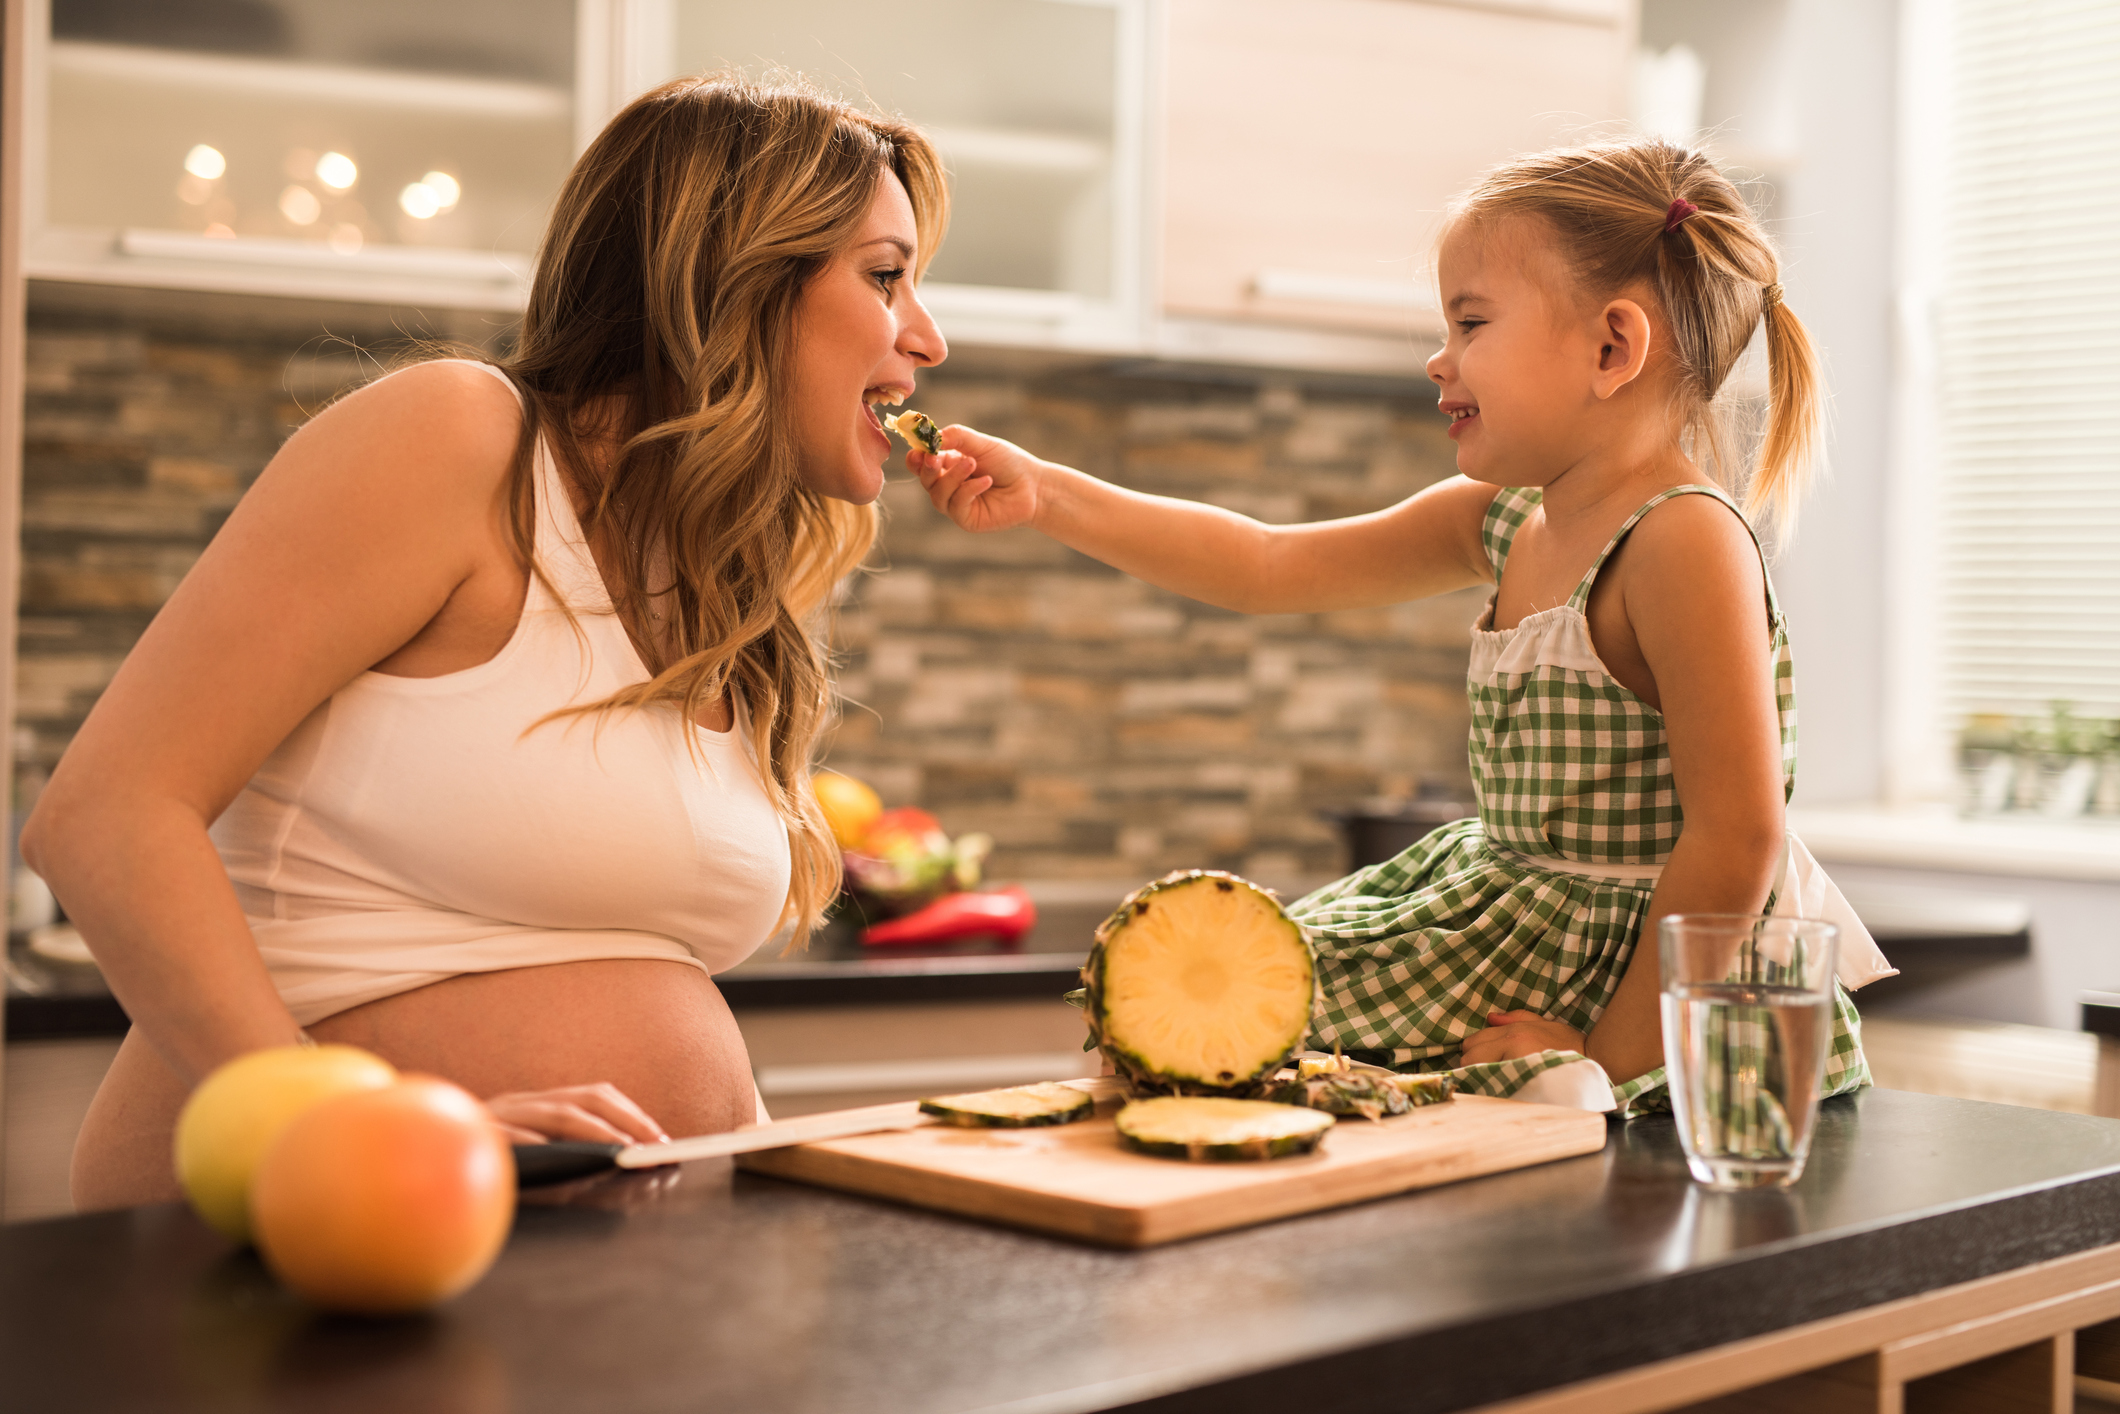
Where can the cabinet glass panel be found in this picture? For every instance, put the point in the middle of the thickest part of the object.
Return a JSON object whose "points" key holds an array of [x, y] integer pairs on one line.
{"points": [[354, 126], [1019, 95]]}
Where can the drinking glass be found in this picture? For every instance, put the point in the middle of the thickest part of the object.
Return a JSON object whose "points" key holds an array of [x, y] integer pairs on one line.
{"points": [[1748, 1010]]}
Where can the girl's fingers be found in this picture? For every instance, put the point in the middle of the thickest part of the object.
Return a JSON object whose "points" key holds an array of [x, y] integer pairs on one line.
{"points": [[967, 492]]}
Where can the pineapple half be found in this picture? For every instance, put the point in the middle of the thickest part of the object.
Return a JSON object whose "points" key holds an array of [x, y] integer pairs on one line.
{"points": [[1199, 984]]}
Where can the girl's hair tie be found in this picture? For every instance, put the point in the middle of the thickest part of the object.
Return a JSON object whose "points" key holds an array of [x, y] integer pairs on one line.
{"points": [[1769, 296], [1678, 211]]}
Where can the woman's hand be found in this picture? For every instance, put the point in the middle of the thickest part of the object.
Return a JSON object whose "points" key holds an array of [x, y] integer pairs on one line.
{"points": [[1512, 1034], [599, 1114], [980, 482]]}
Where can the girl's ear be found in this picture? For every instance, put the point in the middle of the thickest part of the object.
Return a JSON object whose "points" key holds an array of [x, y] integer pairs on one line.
{"points": [[1623, 350]]}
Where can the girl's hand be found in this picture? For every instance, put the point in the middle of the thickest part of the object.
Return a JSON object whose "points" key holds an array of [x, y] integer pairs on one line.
{"points": [[599, 1114], [1511, 1034], [980, 482]]}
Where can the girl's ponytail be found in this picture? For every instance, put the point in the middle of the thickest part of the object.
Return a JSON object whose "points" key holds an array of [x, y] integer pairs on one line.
{"points": [[1793, 406], [1652, 215]]}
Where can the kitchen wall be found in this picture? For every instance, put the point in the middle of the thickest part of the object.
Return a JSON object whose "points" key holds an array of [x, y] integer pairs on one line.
{"points": [[1099, 729]]}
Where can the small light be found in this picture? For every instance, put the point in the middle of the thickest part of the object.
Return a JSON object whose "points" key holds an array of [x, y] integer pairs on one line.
{"points": [[300, 205], [345, 238], [419, 201], [220, 232], [205, 162], [445, 188], [336, 170]]}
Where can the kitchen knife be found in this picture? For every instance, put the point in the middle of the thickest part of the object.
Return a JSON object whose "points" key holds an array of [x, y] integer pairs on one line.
{"points": [[556, 1162]]}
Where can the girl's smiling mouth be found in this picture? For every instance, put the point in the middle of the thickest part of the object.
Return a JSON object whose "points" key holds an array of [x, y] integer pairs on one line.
{"points": [[1460, 414]]}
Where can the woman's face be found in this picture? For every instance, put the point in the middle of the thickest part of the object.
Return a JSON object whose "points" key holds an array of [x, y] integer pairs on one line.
{"points": [[860, 332]]}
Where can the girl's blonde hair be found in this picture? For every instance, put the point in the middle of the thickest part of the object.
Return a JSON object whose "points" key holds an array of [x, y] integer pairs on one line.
{"points": [[663, 309], [1649, 213]]}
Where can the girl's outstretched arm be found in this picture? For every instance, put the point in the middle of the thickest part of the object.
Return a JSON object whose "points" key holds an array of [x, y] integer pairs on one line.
{"points": [[1694, 599], [1427, 544]]}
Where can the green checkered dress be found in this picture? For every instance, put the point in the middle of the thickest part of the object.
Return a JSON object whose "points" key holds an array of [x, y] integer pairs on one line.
{"points": [[1570, 767]]}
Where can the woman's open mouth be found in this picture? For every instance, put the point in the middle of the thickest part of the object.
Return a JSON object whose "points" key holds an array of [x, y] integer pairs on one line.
{"points": [[872, 399]]}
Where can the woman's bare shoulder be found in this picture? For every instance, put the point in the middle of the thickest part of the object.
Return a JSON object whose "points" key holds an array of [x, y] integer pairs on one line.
{"points": [[442, 413]]}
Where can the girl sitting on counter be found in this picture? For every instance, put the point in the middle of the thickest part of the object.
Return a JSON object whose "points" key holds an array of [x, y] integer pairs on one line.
{"points": [[1634, 721], [480, 737]]}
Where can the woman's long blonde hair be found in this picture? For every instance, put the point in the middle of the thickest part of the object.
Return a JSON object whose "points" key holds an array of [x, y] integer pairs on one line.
{"points": [[664, 299], [1649, 213]]}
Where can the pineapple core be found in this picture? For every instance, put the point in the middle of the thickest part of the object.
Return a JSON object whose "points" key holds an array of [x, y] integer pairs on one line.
{"points": [[1209, 982]]}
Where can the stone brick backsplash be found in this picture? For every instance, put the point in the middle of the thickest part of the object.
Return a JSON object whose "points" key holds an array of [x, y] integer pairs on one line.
{"points": [[1097, 727]]}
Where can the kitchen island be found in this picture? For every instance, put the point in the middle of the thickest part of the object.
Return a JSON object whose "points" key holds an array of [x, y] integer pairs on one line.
{"points": [[1947, 1239]]}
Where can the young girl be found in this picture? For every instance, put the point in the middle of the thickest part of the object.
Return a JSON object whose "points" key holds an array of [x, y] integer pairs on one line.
{"points": [[1634, 729]]}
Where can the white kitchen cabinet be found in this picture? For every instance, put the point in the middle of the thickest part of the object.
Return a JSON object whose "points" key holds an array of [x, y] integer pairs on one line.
{"points": [[1310, 150], [1038, 108], [1216, 181], [393, 150]]}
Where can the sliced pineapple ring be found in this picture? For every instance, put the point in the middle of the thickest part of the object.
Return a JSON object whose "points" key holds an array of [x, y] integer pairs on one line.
{"points": [[1200, 982], [1018, 1107], [1211, 1129]]}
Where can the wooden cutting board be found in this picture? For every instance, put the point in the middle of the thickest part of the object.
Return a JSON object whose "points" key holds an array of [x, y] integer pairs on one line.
{"points": [[1074, 1180]]}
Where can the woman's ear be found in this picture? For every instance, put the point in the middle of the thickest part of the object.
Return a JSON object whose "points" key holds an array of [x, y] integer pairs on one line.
{"points": [[1623, 346]]}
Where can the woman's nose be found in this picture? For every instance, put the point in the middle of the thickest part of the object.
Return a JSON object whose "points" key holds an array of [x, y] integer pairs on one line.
{"points": [[920, 337]]}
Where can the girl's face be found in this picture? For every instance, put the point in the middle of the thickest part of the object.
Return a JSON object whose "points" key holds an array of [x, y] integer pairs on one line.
{"points": [[860, 332], [1517, 370]]}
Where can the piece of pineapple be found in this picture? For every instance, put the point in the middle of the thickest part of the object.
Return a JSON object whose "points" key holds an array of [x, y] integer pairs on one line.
{"points": [[918, 429], [1213, 1129], [1199, 984]]}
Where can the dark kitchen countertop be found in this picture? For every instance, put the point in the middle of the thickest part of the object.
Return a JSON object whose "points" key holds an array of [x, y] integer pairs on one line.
{"points": [[705, 1289], [835, 970]]}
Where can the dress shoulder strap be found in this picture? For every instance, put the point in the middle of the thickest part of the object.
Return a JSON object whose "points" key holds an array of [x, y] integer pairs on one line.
{"points": [[561, 547], [1506, 515], [1580, 600]]}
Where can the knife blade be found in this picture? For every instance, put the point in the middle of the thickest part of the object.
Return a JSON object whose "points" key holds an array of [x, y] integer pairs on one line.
{"points": [[561, 1160]]}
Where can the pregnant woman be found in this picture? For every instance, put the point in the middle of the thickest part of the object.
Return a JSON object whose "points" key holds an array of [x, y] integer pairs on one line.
{"points": [[480, 736]]}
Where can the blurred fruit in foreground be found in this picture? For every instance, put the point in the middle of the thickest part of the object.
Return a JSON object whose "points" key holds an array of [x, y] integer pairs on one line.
{"points": [[231, 1120], [850, 807], [906, 861], [386, 1201]]}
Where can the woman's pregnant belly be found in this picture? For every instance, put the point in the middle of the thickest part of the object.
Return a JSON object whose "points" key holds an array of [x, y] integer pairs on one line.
{"points": [[659, 1031]]}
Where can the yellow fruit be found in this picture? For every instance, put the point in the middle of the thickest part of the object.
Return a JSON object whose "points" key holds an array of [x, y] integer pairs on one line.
{"points": [[850, 807], [387, 1201], [235, 1114]]}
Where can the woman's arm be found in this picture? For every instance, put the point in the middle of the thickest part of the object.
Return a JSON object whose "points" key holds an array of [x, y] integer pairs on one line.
{"points": [[1694, 597], [376, 535], [351, 542], [1427, 544]]}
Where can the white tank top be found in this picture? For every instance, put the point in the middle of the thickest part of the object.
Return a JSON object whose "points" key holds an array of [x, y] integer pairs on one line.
{"points": [[414, 829]]}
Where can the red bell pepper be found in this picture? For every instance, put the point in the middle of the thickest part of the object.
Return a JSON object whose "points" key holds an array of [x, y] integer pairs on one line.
{"points": [[1007, 914]]}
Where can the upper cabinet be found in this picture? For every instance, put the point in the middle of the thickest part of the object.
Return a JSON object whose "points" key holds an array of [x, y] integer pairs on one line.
{"points": [[1310, 150], [1244, 181], [387, 150], [1037, 108]]}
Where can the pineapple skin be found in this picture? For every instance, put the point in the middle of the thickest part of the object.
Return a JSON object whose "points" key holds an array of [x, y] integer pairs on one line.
{"points": [[1141, 1076]]}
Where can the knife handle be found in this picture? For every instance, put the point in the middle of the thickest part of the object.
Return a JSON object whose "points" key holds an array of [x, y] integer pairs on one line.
{"points": [[561, 1160]]}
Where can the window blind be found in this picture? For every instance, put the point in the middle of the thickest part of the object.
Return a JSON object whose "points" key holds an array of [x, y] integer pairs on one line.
{"points": [[2028, 359]]}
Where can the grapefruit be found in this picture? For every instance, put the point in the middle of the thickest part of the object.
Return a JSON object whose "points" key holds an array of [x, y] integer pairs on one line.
{"points": [[850, 807], [385, 1201], [235, 1114]]}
